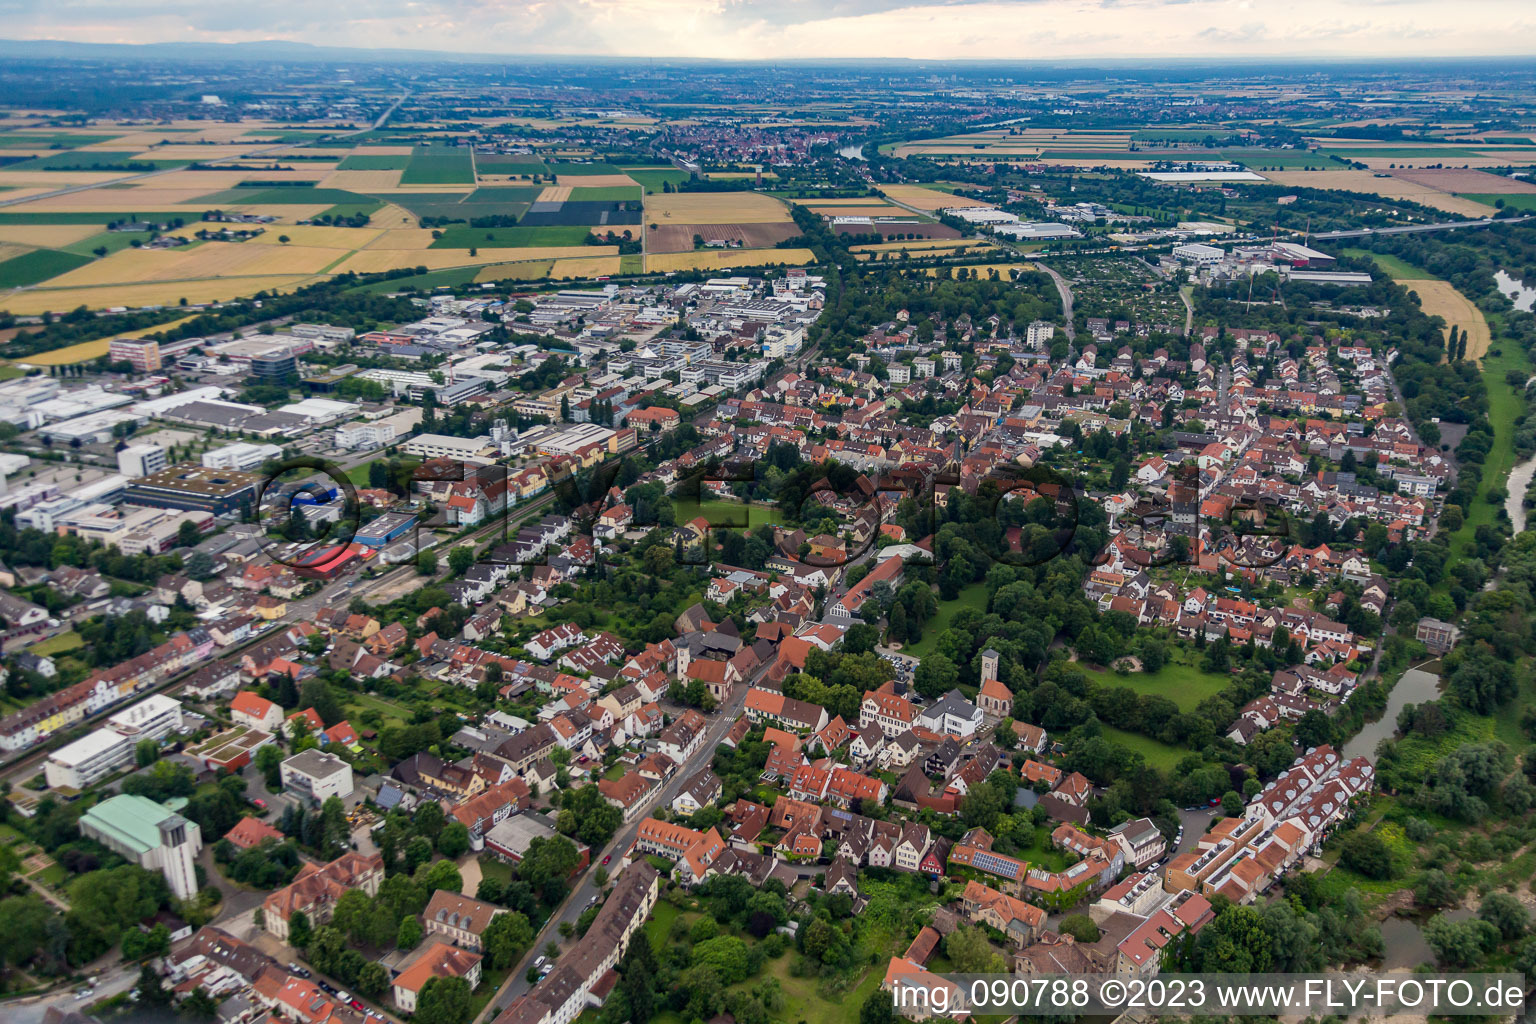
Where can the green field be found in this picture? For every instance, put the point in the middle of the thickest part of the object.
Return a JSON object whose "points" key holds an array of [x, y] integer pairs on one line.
{"points": [[633, 263], [583, 169], [1524, 201], [95, 161], [611, 194], [1505, 405], [1406, 152], [511, 238], [526, 270], [453, 277], [353, 209], [45, 141], [75, 217], [439, 165], [67, 641], [652, 177], [1394, 266], [374, 162], [735, 515], [1157, 754], [113, 240], [1185, 685], [39, 265], [973, 596], [297, 195], [504, 163], [503, 194]]}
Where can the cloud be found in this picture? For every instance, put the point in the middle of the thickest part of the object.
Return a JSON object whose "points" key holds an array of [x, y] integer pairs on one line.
{"points": [[791, 29]]}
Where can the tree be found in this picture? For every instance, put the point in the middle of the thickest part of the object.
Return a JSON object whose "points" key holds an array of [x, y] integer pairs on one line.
{"points": [[1505, 912], [426, 563], [444, 1001], [1314, 729], [1080, 927], [453, 841], [409, 934], [506, 938], [283, 239], [299, 932], [1459, 943], [146, 752], [1367, 853], [372, 980], [877, 1009], [417, 852], [443, 875], [936, 675], [151, 991], [429, 820], [971, 953], [1231, 804], [269, 761], [461, 558]]}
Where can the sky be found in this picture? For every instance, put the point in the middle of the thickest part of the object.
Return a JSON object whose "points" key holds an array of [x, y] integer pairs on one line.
{"points": [[785, 29]]}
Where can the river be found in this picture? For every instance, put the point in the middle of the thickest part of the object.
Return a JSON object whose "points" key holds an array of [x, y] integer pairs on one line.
{"points": [[1516, 290], [853, 152], [1415, 687]]}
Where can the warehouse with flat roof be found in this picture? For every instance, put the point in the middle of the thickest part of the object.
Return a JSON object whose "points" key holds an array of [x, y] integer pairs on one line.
{"points": [[195, 488]]}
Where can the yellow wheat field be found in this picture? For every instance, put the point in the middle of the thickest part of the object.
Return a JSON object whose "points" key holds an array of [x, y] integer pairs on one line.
{"points": [[10, 249], [55, 179], [554, 194], [164, 293], [373, 261], [532, 270], [383, 150], [714, 208], [85, 351], [204, 181], [982, 270], [588, 266], [401, 238], [123, 200], [598, 181], [284, 213], [49, 236], [857, 201], [211, 259], [928, 199], [1440, 298], [361, 181], [883, 210], [1388, 188], [314, 234], [720, 259], [201, 153]]}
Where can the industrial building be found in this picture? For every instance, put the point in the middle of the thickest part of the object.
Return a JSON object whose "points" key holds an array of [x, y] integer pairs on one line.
{"points": [[195, 488]]}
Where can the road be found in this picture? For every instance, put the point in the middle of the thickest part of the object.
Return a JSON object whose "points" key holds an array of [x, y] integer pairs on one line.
{"points": [[719, 724], [1406, 229], [111, 982], [1065, 291]]}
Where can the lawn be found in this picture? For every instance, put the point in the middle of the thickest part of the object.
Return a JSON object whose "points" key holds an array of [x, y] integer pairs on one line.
{"points": [[1526, 202], [39, 265], [727, 514], [660, 925], [512, 238], [973, 596], [1186, 685], [56, 644], [1398, 269], [358, 474], [1157, 754], [1504, 405], [439, 165]]}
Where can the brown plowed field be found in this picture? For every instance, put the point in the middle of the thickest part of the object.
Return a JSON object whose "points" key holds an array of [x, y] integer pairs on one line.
{"points": [[679, 237]]}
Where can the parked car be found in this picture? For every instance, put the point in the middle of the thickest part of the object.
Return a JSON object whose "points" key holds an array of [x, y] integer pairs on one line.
{"points": [[356, 1004], [259, 802], [607, 858], [327, 987]]}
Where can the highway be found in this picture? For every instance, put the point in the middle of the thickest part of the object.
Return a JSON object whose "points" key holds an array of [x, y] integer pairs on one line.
{"points": [[1406, 229]]}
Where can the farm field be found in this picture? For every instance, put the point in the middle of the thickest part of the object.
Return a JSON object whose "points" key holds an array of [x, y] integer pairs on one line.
{"points": [[872, 210], [1397, 269], [714, 208], [318, 235], [652, 178], [532, 270], [460, 237], [167, 293], [924, 246], [1390, 188], [1526, 203], [718, 259], [439, 165], [1466, 181], [212, 259], [374, 161], [373, 261], [20, 271], [1442, 299], [927, 198], [984, 270], [679, 237]]}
